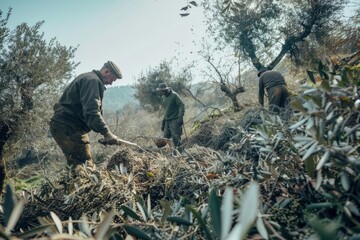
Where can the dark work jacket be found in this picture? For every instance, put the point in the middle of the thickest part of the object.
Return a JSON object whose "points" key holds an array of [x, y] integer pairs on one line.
{"points": [[80, 106], [268, 80], [173, 105]]}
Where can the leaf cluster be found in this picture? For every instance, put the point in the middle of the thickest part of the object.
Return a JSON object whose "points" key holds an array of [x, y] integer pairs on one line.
{"points": [[30, 69], [328, 136], [213, 220], [147, 83], [264, 31], [321, 145]]}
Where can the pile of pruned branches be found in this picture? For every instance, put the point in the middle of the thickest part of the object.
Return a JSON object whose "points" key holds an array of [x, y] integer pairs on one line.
{"points": [[273, 179]]}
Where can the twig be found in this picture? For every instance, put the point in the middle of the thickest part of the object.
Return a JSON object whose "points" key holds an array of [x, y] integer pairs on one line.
{"points": [[187, 236], [273, 230], [42, 201], [192, 95], [277, 180]]}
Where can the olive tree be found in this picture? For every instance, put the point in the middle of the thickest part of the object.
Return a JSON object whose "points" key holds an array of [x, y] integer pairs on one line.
{"points": [[147, 83], [267, 30], [31, 71]]}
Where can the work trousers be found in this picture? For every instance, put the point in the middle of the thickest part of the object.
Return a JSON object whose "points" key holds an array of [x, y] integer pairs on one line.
{"points": [[173, 130], [73, 142], [279, 98]]}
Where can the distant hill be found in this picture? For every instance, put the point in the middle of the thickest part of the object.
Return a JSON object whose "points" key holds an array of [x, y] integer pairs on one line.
{"points": [[115, 98]]}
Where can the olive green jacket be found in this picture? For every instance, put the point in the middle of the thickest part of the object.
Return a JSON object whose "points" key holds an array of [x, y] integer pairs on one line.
{"points": [[173, 106], [80, 106]]}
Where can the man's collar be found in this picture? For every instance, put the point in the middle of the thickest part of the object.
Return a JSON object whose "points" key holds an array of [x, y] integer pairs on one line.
{"points": [[168, 92], [100, 76]]}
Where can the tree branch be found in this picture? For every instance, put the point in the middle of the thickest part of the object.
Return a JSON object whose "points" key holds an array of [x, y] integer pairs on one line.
{"points": [[290, 42], [193, 96], [216, 70]]}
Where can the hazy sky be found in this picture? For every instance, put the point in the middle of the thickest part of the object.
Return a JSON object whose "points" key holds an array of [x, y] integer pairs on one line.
{"points": [[135, 34]]}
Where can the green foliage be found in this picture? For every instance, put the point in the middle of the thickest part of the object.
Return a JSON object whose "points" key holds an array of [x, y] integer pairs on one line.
{"points": [[146, 85], [307, 180], [12, 211], [264, 31], [28, 62], [321, 143], [325, 229], [29, 183], [32, 71], [311, 155], [306, 169], [330, 135], [216, 113], [288, 214], [182, 214]]}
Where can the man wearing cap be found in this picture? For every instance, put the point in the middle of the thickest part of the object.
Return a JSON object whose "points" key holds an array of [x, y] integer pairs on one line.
{"points": [[276, 88], [79, 110], [173, 115]]}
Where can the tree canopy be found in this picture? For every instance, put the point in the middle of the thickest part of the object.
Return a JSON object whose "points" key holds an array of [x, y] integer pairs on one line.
{"points": [[266, 30], [29, 66], [147, 83]]}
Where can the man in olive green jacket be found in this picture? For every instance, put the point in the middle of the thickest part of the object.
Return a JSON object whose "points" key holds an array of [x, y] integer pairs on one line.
{"points": [[79, 111], [173, 117]]}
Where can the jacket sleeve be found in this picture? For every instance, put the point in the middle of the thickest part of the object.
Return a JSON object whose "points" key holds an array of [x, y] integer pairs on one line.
{"points": [[261, 91], [91, 94], [181, 106]]}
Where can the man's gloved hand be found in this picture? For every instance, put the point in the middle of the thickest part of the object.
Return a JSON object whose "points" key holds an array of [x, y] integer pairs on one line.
{"points": [[163, 125], [180, 122], [109, 139]]}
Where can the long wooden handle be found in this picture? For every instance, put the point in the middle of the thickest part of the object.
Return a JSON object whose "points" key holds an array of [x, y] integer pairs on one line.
{"points": [[119, 142]]}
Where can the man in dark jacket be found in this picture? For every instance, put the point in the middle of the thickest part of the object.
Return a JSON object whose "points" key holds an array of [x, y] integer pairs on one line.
{"points": [[276, 88], [79, 111], [173, 117]]}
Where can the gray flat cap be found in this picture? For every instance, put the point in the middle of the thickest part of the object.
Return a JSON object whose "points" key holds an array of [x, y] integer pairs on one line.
{"points": [[114, 69]]}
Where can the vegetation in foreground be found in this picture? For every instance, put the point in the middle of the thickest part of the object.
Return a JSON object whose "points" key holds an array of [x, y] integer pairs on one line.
{"points": [[261, 176], [249, 177]]}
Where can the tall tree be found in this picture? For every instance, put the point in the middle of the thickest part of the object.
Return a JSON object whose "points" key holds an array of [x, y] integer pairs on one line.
{"points": [[29, 66], [266, 30]]}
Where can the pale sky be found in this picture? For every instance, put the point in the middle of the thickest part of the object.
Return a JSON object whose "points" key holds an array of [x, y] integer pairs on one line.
{"points": [[135, 34]]}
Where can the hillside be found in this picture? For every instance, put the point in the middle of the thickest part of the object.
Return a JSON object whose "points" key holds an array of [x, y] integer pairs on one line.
{"points": [[115, 98]]}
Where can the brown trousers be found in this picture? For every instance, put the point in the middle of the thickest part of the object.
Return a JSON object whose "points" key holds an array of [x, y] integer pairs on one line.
{"points": [[74, 143], [279, 98]]}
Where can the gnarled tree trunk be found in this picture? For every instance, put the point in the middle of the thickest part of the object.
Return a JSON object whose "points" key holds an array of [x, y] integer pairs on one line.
{"points": [[232, 95], [225, 88]]}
